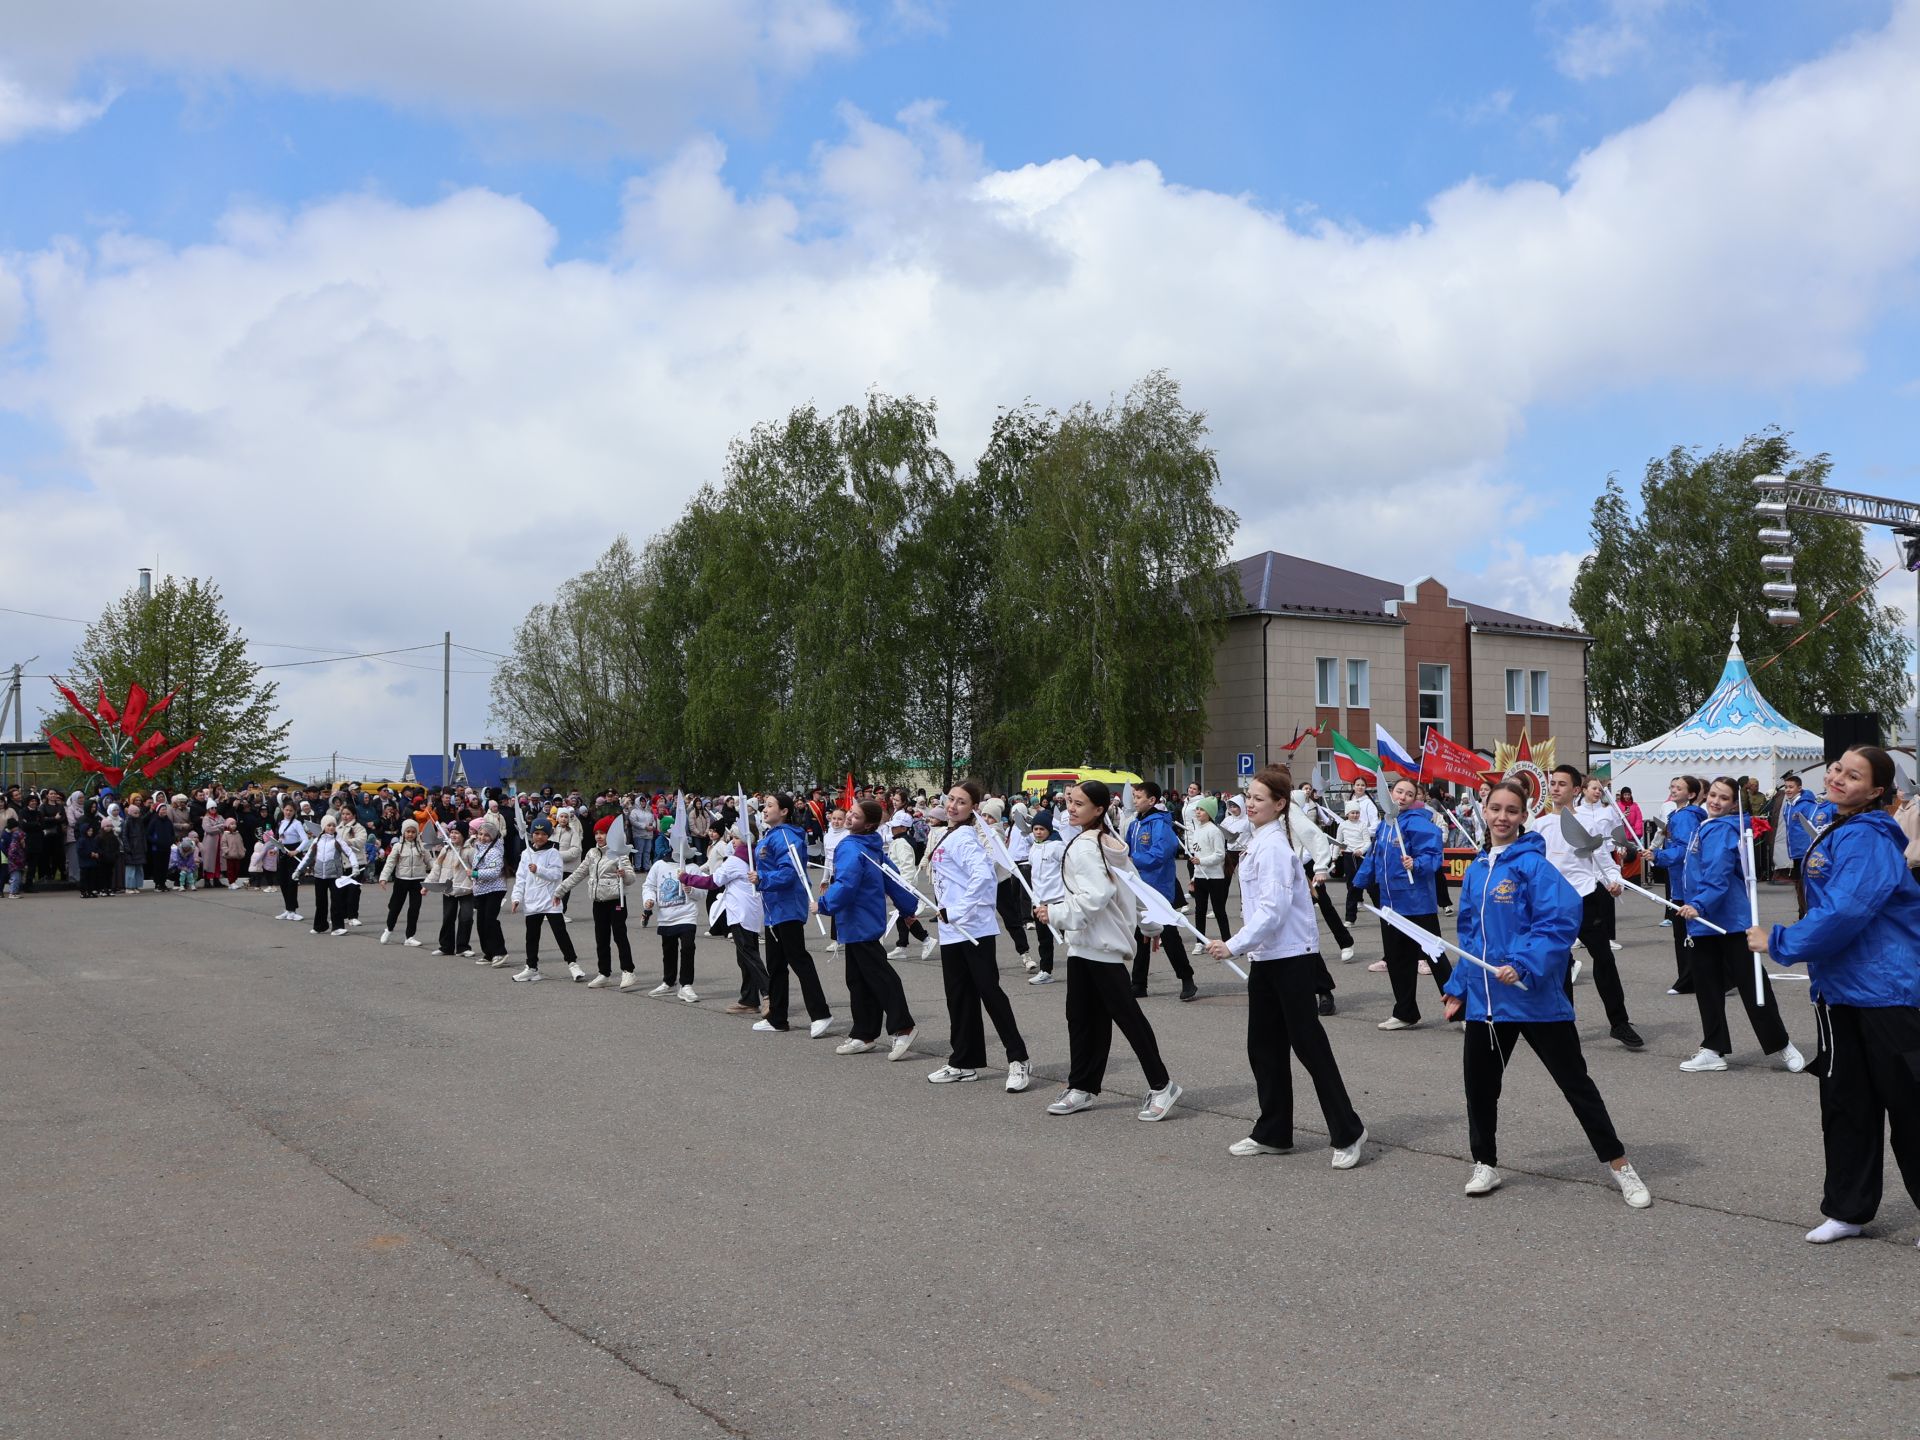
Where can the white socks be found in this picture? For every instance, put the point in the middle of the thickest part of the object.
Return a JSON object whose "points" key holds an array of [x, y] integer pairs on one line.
{"points": [[1827, 1231]]}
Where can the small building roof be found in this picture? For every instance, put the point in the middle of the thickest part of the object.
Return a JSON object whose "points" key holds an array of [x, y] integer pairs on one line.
{"points": [[1275, 584]]}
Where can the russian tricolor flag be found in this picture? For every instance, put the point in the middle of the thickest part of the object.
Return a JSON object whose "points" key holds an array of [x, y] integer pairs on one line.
{"points": [[1392, 756]]}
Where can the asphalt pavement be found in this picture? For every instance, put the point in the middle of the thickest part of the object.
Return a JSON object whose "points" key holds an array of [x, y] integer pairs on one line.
{"points": [[265, 1184]]}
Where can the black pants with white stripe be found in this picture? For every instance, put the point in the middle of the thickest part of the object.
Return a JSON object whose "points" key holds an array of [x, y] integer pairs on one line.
{"points": [[1557, 1043], [1869, 1083]]}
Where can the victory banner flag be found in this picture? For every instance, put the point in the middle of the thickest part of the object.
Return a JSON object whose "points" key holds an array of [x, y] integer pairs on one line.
{"points": [[1442, 759], [1352, 762], [1392, 755]]}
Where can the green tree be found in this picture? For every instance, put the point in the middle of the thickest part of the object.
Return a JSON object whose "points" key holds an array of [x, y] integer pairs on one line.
{"points": [[180, 640], [1663, 587]]}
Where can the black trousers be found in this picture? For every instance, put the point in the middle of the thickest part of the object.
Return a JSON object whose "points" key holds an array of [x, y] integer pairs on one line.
{"points": [[1043, 942], [1211, 893], [874, 992], [323, 892], [1176, 952], [609, 931], [560, 937], [787, 951], [1871, 1082], [973, 985], [1099, 997], [1557, 1043], [905, 925], [346, 905], [1403, 966], [1348, 866], [405, 892], [1720, 961], [1282, 1017], [1015, 911], [676, 952], [1342, 936], [1440, 892], [289, 887], [486, 918], [456, 923], [753, 974], [1682, 952], [1596, 934]]}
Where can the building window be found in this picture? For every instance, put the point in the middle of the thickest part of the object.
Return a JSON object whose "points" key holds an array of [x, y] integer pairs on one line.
{"points": [[1325, 776], [1436, 698], [1326, 682], [1516, 692], [1537, 692], [1194, 772], [1358, 697]]}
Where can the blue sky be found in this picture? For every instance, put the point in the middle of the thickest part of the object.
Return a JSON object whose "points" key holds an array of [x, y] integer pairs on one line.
{"points": [[248, 236]]}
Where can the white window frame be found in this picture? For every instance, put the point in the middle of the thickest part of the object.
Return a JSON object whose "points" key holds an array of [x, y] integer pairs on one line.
{"points": [[1362, 670], [1516, 692], [1444, 695], [1539, 692], [1195, 771], [1325, 776], [1327, 668]]}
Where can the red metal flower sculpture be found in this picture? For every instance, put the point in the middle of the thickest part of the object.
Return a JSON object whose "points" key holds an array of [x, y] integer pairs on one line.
{"points": [[117, 732]]}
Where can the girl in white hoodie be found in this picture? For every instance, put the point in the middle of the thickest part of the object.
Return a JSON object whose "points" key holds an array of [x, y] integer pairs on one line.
{"points": [[1098, 914], [536, 889]]}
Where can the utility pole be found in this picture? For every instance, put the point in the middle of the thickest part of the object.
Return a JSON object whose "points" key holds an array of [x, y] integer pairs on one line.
{"points": [[16, 704], [333, 773], [446, 710]]}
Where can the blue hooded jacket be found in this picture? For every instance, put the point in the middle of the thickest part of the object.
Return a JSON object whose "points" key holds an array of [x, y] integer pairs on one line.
{"points": [[1712, 881], [858, 894], [783, 889], [1517, 910], [1151, 842], [1791, 814], [1381, 871], [1860, 940], [1672, 857]]}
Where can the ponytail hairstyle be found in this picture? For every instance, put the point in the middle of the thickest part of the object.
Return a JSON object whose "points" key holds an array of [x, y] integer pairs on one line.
{"points": [[1733, 786], [1097, 793], [786, 803], [1880, 767], [1692, 783], [1277, 781], [870, 811], [976, 792]]}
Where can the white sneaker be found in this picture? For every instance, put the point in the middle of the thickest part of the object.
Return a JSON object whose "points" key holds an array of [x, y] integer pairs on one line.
{"points": [[629, 981], [833, 947], [295, 917], [1251, 1146], [687, 996], [1394, 1022], [1828, 1231], [952, 1075], [854, 1047], [896, 952], [1348, 1156], [1030, 963], [355, 923], [468, 953], [1071, 1103], [1378, 967], [1617, 946], [819, 1028], [1573, 975], [1484, 1180], [436, 952], [902, 1045], [529, 974], [1159, 1102], [661, 989], [500, 962], [599, 982], [1705, 1060], [410, 940], [1346, 954], [283, 915], [385, 936], [765, 1027], [927, 949], [483, 960], [1633, 1187], [1043, 977], [573, 969], [341, 931], [1791, 1060], [1019, 1075]]}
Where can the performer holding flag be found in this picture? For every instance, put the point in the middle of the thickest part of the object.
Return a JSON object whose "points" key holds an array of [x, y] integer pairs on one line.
{"points": [[1685, 818], [1520, 916], [857, 898], [1586, 862], [1860, 942], [1279, 935], [1400, 865], [964, 882], [1152, 845], [1716, 891], [779, 876]]}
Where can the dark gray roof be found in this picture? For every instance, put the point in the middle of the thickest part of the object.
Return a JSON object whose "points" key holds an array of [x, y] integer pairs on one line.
{"points": [[1278, 584]]}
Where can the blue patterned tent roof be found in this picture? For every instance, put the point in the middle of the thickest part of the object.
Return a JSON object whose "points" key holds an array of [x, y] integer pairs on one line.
{"points": [[1736, 723]]}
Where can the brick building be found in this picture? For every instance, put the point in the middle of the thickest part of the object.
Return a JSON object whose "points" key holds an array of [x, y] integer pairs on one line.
{"points": [[1317, 645]]}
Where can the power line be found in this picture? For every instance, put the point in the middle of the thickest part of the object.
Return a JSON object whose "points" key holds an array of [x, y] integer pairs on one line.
{"points": [[366, 655]]}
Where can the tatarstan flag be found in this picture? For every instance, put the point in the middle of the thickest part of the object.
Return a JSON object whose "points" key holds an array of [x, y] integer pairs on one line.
{"points": [[1352, 762]]}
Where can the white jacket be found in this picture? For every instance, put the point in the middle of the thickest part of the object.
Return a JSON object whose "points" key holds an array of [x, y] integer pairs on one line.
{"points": [[536, 884], [1276, 904], [1238, 830], [605, 876], [1048, 882], [1310, 840], [671, 902], [744, 905], [1207, 847], [1583, 872], [1098, 913], [964, 882], [1353, 837]]}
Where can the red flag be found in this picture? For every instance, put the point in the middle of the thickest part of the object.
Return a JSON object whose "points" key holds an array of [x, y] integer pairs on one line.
{"points": [[147, 746], [104, 707], [74, 700], [1300, 737], [166, 758], [158, 710], [134, 711], [1442, 759], [846, 796], [60, 747]]}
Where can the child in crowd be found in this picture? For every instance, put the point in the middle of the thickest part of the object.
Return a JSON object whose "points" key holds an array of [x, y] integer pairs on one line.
{"points": [[184, 861]]}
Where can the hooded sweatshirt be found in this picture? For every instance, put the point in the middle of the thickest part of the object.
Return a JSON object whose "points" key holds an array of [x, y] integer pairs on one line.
{"points": [[858, 896], [782, 887], [1516, 909], [1409, 892], [1098, 913], [1860, 940]]}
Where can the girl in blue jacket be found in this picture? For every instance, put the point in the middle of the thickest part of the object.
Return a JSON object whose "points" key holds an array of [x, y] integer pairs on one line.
{"points": [[1406, 853], [1687, 817], [779, 874], [1860, 941], [1521, 916], [857, 900], [1714, 888]]}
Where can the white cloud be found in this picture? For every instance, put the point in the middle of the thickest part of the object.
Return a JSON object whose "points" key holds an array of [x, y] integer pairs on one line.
{"points": [[26, 111], [1602, 48], [430, 381], [637, 71]]}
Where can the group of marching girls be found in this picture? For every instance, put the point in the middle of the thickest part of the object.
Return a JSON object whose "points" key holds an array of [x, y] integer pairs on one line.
{"points": [[1099, 893]]}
